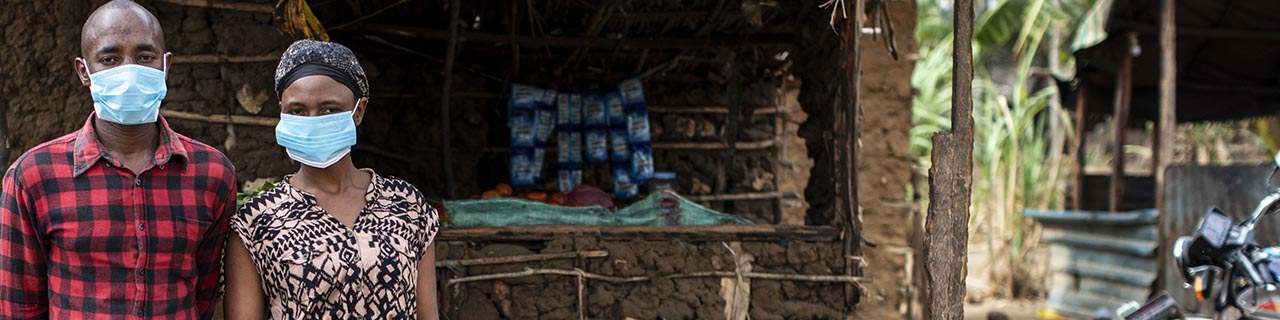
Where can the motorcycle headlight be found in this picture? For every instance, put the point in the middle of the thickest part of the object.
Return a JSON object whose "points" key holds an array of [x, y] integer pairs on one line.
{"points": [[1180, 256]]}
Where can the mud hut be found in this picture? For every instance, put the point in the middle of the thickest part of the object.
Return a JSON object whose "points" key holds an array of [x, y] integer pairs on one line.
{"points": [[744, 97]]}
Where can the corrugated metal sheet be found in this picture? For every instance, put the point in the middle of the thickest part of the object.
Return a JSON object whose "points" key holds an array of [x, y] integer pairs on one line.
{"points": [[1190, 191], [1098, 260]]}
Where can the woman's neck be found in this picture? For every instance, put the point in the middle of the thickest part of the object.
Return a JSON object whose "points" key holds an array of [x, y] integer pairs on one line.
{"points": [[331, 180]]}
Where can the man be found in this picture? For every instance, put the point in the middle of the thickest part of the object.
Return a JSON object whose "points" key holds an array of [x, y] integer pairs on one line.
{"points": [[123, 218]]}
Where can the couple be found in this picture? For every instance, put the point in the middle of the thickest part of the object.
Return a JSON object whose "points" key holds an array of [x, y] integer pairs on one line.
{"points": [[126, 218]]}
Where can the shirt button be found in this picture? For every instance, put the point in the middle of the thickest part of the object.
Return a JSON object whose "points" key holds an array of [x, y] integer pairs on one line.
{"points": [[141, 272], [141, 227], [137, 181]]}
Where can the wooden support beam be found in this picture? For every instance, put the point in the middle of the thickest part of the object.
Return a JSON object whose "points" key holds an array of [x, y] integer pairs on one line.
{"points": [[850, 79], [752, 232], [1124, 90], [213, 58], [446, 127], [237, 6], [1168, 116], [951, 182], [221, 119], [521, 258], [743, 196], [579, 42], [1077, 199]]}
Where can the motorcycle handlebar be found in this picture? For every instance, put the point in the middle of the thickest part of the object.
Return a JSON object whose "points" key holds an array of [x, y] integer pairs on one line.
{"points": [[1159, 307]]}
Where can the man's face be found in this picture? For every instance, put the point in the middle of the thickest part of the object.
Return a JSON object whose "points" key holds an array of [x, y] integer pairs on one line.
{"points": [[119, 37]]}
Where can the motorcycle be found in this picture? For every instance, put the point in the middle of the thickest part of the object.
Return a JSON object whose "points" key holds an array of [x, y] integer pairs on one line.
{"points": [[1222, 263]]}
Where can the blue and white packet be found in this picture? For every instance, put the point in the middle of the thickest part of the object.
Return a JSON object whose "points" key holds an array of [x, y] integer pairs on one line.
{"points": [[623, 186], [641, 163], [569, 150], [632, 91], [522, 172], [597, 145], [563, 112], [638, 125], [620, 149], [523, 128], [545, 115], [569, 178], [539, 161], [594, 111], [613, 103]]}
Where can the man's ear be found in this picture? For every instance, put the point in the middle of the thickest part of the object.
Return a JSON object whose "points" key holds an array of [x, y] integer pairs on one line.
{"points": [[361, 106], [82, 70], [168, 60]]}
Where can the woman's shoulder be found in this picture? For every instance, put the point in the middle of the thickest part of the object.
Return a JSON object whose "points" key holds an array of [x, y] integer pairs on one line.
{"points": [[268, 202], [390, 186]]}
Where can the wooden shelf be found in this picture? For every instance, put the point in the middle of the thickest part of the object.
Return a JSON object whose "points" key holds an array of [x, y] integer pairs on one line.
{"points": [[758, 232]]}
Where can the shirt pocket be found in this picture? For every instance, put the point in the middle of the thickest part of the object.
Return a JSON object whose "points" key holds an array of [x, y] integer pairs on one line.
{"points": [[306, 271], [401, 255]]}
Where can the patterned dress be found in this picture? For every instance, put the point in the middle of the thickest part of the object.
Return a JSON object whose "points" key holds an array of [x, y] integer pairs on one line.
{"points": [[315, 267]]}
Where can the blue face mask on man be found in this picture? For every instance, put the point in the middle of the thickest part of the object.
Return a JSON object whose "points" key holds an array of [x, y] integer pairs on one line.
{"points": [[128, 94], [319, 141]]}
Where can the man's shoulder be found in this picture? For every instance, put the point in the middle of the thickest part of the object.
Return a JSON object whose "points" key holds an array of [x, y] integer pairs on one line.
{"points": [[43, 155], [203, 153]]}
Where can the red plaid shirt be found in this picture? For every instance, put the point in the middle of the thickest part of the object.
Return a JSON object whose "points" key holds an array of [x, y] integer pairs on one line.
{"points": [[82, 237]]}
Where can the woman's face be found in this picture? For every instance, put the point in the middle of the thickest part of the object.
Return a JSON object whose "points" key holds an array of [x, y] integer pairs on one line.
{"points": [[319, 95]]}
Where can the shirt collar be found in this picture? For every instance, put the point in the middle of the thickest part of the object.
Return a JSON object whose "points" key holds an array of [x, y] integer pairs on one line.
{"points": [[88, 149]]}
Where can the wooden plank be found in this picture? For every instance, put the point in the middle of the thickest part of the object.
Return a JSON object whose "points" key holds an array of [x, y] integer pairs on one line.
{"points": [[754, 41], [1124, 91], [699, 233], [951, 182]]}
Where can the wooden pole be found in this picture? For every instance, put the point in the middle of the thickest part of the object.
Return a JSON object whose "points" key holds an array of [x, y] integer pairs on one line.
{"points": [[445, 124], [522, 258], [847, 149], [1124, 88], [248, 7], [951, 181], [1082, 105], [1168, 113]]}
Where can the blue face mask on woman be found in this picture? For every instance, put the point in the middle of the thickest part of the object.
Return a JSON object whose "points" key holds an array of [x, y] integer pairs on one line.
{"points": [[317, 141], [128, 94]]}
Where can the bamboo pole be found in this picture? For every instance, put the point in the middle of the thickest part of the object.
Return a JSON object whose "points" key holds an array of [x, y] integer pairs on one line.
{"points": [[447, 88], [221, 119], [848, 150], [248, 7], [522, 258], [217, 58]]}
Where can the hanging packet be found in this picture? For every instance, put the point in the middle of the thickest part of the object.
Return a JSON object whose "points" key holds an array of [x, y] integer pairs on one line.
{"points": [[618, 144], [522, 167], [545, 124], [623, 186], [597, 145], [641, 163]]}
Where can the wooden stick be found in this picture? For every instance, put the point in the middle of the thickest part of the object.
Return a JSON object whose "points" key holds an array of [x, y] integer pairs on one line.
{"points": [[706, 274], [753, 232], [217, 58], [756, 145], [605, 43], [223, 119], [707, 109], [1082, 97], [446, 126], [951, 182], [1168, 114], [522, 258], [848, 150], [248, 7], [1124, 89], [744, 196]]}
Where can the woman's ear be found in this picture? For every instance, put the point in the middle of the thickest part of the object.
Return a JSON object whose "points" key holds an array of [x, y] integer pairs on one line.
{"points": [[361, 106]]}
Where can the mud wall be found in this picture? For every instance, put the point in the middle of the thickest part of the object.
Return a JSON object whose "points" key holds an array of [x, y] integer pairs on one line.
{"points": [[555, 297]]}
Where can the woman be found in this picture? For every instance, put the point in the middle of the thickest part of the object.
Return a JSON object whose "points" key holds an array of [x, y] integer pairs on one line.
{"points": [[330, 241]]}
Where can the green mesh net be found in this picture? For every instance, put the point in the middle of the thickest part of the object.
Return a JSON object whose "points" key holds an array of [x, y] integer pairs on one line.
{"points": [[501, 212]]}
